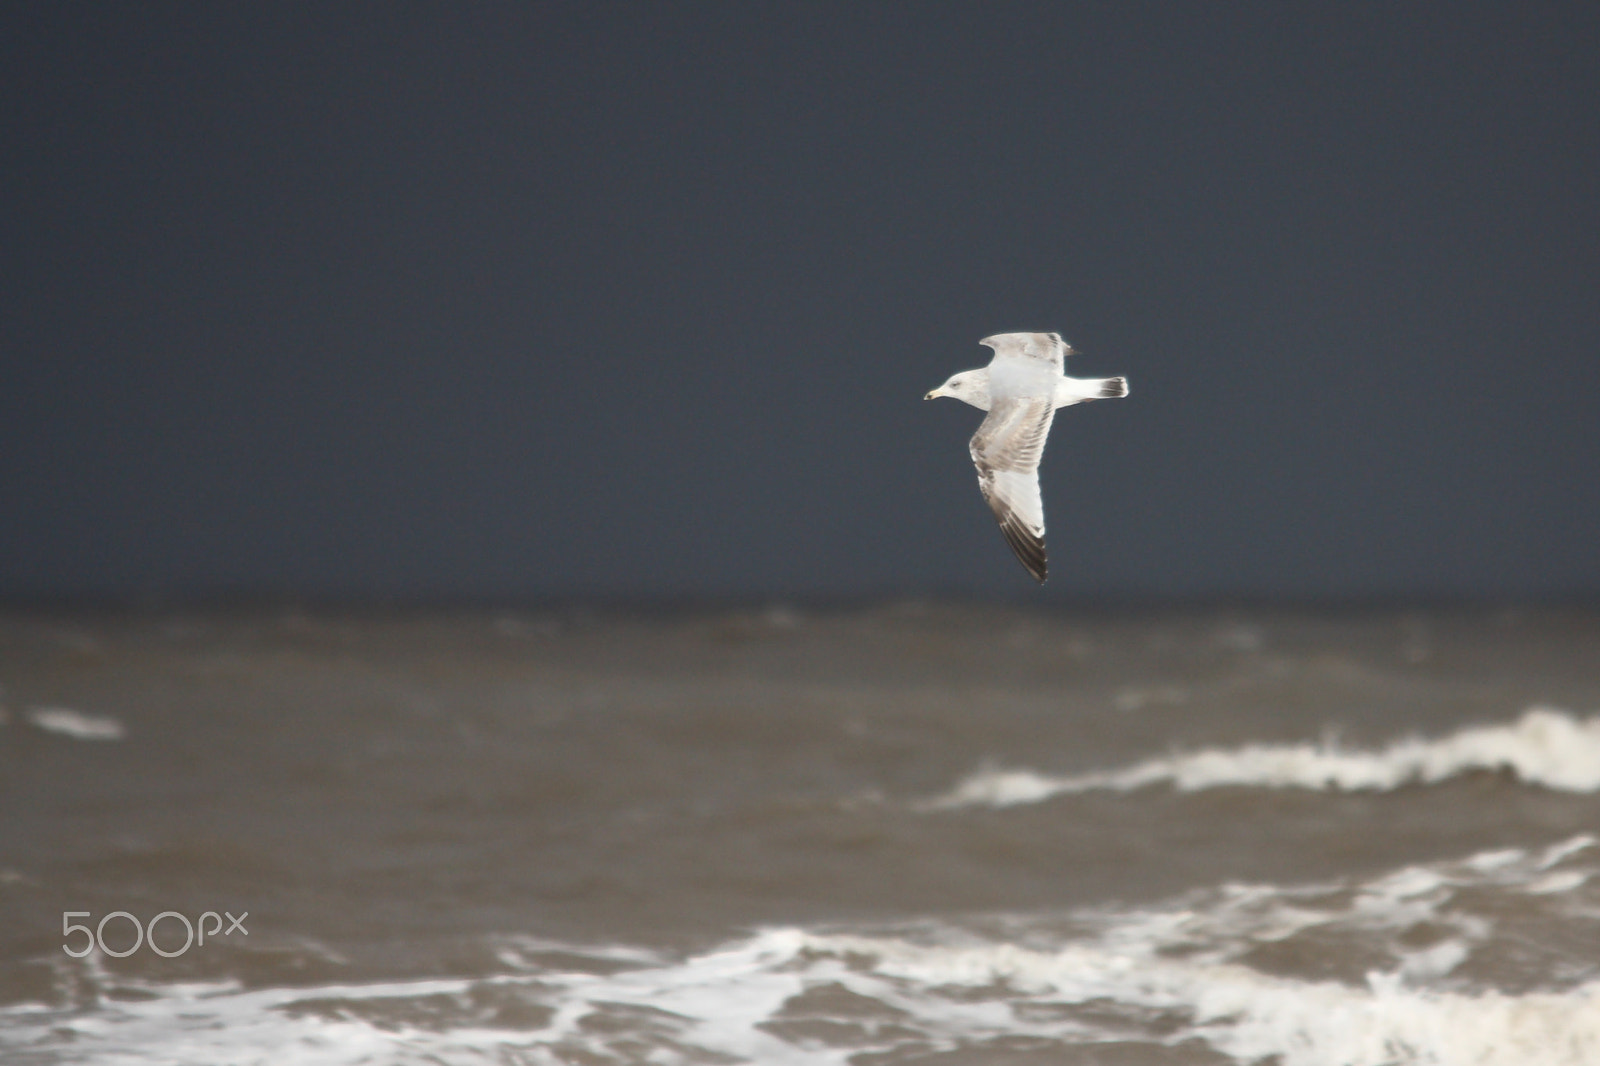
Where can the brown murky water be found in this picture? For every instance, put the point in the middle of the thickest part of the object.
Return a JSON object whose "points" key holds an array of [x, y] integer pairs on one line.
{"points": [[913, 834]]}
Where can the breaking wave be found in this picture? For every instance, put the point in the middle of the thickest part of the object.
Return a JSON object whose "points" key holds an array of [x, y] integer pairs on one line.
{"points": [[75, 724], [1544, 747], [1480, 960]]}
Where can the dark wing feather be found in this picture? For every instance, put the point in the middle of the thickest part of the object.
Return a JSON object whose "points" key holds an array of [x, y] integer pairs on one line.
{"points": [[1006, 450]]}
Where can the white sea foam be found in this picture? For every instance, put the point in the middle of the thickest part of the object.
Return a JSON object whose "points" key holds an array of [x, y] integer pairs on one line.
{"points": [[1544, 747], [1212, 970], [76, 724]]}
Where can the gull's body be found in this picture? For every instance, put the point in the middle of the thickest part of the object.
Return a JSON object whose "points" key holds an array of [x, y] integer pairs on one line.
{"points": [[1021, 388]]}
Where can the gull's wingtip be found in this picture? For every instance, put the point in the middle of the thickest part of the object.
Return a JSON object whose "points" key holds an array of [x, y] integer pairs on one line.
{"points": [[1027, 546]]}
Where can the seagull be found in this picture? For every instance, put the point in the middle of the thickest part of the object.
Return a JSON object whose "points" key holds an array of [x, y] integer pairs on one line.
{"points": [[1021, 388]]}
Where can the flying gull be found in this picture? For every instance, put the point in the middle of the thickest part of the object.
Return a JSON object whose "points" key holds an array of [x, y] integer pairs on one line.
{"points": [[1021, 388]]}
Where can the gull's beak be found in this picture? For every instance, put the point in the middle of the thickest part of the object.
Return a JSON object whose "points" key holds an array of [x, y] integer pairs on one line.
{"points": [[932, 395]]}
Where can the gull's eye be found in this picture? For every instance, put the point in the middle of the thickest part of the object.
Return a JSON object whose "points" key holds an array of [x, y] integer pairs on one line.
{"points": [[957, 385]]}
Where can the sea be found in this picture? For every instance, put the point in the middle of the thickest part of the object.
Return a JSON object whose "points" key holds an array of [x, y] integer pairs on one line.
{"points": [[909, 833]]}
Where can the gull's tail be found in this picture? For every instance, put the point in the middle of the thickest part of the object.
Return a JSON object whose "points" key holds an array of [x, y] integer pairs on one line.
{"points": [[1112, 388]]}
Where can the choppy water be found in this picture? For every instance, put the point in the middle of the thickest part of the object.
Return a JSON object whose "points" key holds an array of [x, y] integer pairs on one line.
{"points": [[918, 834]]}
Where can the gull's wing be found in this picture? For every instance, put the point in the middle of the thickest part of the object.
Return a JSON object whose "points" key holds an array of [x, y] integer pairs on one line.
{"points": [[1006, 450], [1046, 348], [1026, 366]]}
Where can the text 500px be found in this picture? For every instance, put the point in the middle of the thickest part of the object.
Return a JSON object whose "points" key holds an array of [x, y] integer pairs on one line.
{"points": [[97, 937]]}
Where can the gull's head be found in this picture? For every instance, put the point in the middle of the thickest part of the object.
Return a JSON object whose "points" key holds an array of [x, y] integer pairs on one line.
{"points": [[962, 386]]}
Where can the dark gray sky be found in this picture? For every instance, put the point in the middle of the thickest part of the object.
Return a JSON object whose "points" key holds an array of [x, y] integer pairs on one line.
{"points": [[642, 299]]}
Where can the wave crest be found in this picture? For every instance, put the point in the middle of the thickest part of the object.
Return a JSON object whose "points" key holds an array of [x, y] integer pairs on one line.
{"points": [[1544, 747]]}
